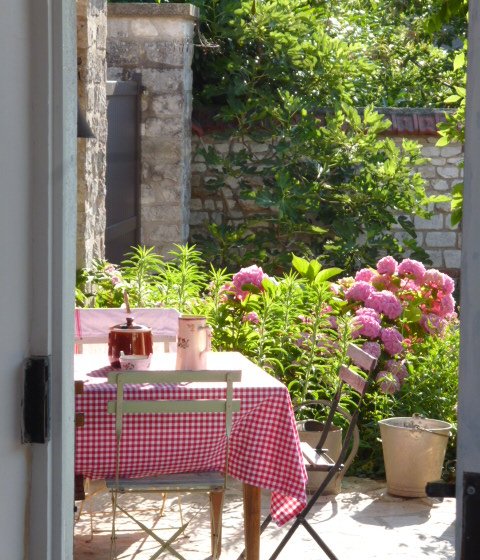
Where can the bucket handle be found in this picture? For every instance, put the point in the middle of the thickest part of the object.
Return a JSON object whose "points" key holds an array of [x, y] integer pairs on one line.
{"points": [[419, 428]]}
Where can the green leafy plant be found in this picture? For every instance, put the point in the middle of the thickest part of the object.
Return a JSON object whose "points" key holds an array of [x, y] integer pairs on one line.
{"points": [[334, 189], [453, 129], [140, 274], [181, 279]]}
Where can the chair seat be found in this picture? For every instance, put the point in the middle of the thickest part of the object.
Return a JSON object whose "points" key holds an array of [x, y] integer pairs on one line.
{"points": [[176, 482], [315, 460]]}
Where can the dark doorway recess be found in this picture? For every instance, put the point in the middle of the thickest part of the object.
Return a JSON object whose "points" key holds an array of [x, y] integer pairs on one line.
{"points": [[122, 177]]}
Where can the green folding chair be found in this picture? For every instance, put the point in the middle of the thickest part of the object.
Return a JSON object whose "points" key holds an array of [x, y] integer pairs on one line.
{"points": [[210, 482]]}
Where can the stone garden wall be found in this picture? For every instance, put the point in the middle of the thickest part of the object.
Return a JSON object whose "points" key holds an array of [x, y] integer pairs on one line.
{"points": [[91, 153], [153, 43], [436, 236]]}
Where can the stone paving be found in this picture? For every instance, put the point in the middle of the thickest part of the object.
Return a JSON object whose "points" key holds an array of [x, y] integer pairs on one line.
{"points": [[363, 522]]}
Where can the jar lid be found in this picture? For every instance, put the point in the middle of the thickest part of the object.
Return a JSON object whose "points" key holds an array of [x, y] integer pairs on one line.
{"points": [[130, 325]]}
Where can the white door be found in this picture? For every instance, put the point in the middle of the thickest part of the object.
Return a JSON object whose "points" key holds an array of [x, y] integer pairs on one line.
{"points": [[51, 77], [468, 449]]}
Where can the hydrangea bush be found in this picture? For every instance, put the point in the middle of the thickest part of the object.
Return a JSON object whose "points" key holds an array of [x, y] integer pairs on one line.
{"points": [[396, 305]]}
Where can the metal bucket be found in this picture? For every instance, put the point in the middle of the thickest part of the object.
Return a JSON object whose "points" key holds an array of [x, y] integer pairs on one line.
{"points": [[413, 452]]}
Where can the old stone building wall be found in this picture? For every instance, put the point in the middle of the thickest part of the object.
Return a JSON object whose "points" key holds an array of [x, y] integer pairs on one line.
{"points": [[153, 43], [436, 235], [91, 154]]}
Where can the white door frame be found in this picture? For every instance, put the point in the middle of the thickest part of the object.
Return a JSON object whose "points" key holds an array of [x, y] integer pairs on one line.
{"points": [[468, 448], [53, 162], [53, 223]]}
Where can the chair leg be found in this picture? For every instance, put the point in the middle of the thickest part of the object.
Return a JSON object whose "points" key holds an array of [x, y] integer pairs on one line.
{"points": [[113, 537], [302, 521], [179, 498], [164, 544], [216, 510], [318, 540]]}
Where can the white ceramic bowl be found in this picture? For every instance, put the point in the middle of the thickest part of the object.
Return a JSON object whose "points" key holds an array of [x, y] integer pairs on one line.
{"points": [[135, 362]]}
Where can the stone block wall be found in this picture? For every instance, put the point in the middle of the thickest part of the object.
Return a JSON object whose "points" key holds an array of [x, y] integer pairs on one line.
{"points": [[442, 242], [153, 43], [436, 235], [91, 154]]}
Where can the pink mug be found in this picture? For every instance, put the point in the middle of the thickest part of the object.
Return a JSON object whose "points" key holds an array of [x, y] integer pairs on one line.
{"points": [[194, 340]]}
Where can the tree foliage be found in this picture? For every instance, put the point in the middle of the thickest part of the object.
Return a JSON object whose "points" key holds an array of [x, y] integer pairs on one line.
{"points": [[334, 185]]}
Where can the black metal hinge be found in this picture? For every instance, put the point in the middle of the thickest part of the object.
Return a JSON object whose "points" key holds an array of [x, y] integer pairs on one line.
{"points": [[36, 400]]}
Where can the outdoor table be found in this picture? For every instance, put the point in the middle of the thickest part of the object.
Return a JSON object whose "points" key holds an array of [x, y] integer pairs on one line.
{"points": [[264, 447]]}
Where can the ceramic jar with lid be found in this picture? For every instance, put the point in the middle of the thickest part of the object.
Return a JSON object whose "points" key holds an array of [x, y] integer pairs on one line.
{"points": [[131, 338]]}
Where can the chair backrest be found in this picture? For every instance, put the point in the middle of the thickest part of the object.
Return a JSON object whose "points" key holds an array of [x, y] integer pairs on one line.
{"points": [[359, 383], [92, 325], [121, 406]]}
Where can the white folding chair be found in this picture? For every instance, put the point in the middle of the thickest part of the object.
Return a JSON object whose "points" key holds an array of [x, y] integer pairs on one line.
{"points": [[91, 334], [212, 482]]}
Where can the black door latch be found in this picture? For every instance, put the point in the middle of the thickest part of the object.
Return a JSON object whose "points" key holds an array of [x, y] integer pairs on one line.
{"points": [[36, 400]]}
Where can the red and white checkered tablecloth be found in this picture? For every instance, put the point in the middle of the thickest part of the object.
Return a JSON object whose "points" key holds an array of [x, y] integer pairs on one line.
{"points": [[264, 446]]}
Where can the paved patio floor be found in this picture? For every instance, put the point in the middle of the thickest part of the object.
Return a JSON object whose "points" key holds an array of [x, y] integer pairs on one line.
{"points": [[363, 522]]}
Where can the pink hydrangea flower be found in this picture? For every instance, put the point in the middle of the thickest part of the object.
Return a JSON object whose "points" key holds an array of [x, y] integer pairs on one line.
{"points": [[372, 348], [388, 382], [367, 326], [364, 275], [439, 280], [251, 317], [360, 291], [387, 265], [398, 368], [433, 278], [368, 311], [392, 340], [250, 275], [410, 267], [448, 284], [433, 324], [447, 305], [385, 302]]}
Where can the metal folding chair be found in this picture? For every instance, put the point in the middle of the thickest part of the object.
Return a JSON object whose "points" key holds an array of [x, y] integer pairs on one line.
{"points": [[91, 334], [317, 458], [211, 482]]}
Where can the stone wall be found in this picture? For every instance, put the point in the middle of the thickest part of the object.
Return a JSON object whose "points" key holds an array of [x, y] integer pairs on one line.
{"points": [[442, 242], [436, 236], [91, 155], [153, 43]]}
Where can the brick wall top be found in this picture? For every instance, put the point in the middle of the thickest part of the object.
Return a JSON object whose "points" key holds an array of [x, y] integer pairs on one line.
{"points": [[405, 122], [185, 11]]}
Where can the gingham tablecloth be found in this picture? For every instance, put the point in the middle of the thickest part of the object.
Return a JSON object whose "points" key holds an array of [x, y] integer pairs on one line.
{"points": [[264, 446]]}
